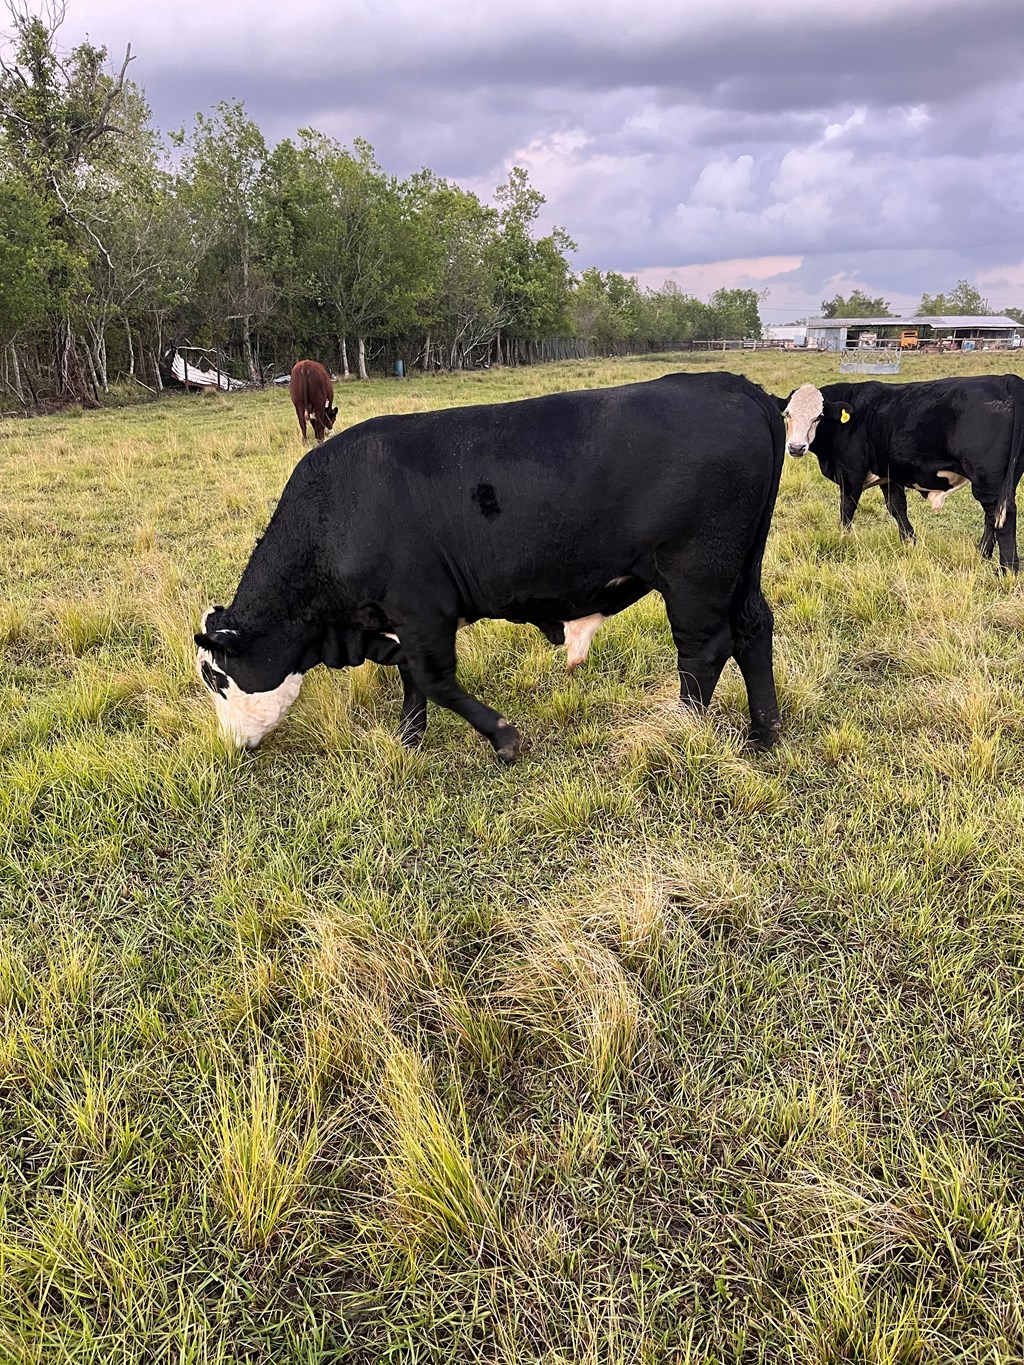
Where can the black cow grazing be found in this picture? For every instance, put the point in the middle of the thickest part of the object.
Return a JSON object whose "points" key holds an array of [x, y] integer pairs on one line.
{"points": [[934, 437], [555, 511]]}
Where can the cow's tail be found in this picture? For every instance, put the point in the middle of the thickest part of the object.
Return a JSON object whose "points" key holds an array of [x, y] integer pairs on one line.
{"points": [[749, 608], [304, 378], [1015, 463]]}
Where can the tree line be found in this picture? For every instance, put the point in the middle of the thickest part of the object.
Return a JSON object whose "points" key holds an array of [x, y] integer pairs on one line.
{"points": [[118, 245], [963, 300]]}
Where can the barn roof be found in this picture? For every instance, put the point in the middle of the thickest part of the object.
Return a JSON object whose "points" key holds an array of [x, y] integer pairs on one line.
{"points": [[853, 322], [985, 322]]}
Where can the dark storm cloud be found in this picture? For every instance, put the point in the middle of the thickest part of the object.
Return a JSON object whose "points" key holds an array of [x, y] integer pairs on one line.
{"points": [[878, 143]]}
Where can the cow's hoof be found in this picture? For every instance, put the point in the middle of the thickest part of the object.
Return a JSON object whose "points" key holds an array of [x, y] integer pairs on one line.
{"points": [[410, 735], [763, 738], [506, 741]]}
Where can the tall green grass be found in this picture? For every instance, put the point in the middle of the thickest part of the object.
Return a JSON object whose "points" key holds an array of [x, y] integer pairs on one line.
{"points": [[645, 1050]]}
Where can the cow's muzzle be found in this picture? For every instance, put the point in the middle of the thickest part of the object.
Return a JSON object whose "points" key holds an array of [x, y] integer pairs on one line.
{"points": [[795, 449]]}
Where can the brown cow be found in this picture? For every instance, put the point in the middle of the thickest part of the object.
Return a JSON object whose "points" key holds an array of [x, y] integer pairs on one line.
{"points": [[312, 393]]}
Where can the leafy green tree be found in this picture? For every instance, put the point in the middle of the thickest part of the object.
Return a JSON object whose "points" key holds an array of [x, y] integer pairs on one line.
{"points": [[30, 251], [534, 281], [465, 310], [855, 305], [963, 300], [60, 116], [55, 110], [734, 313], [127, 258], [224, 158], [356, 238]]}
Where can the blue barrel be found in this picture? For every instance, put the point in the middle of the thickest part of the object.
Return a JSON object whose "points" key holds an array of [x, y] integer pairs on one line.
{"points": [[399, 369]]}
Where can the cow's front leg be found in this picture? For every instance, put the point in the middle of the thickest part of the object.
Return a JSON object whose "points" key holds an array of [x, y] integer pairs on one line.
{"points": [[849, 497], [895, 496], [412, 723], [430, 657]]}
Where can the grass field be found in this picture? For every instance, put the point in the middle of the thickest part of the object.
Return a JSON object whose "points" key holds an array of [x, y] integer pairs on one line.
{"points": [[644, 1050]]}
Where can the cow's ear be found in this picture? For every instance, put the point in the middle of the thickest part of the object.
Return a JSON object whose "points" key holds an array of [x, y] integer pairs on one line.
{"points": [[782, 403], [838, 412], [220, 641]]}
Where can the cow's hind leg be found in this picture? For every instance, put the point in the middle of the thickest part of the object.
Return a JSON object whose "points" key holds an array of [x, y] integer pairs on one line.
{"points": [[430, 657], [1006, 536], [987, 543], [895, 496], [1000, 526], [752, 627], [703, 640]]}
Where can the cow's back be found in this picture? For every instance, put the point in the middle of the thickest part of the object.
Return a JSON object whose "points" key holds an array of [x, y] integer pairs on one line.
{"points": [[310, 384], [967, 421], [556, 490]]}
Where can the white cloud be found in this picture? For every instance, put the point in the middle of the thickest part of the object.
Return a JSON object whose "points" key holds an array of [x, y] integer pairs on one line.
{"points": [[724, 184]]}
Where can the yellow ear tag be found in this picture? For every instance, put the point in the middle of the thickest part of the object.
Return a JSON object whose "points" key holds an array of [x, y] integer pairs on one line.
{"points": [[844, 416]]}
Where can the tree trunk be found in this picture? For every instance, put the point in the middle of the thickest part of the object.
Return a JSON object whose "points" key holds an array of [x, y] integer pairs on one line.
{"points": [[64, 358], [247, 353], [98, 357], [344, 359], [362, 359], [426, 353], [131, 349], [16, 374], [92, 369], [156, 372]]}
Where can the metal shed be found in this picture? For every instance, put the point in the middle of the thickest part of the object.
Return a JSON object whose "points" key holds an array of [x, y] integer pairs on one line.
{"points": [[982, 331], [833, 334], [837, 334]]}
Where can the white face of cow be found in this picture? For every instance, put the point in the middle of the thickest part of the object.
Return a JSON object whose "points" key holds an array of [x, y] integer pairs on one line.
{"points": [[245, 718], [802, 415]]}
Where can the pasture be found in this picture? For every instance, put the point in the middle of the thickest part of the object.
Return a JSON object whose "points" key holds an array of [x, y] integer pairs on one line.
{"points": [[645, 1050]]}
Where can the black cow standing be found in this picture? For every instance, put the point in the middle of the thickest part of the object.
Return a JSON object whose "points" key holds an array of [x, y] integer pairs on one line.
{"points": [[934, 437], [555, 511]]}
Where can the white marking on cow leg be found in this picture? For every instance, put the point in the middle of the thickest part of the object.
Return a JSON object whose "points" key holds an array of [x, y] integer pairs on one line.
{"points": [[578, 637], [1001, 512], [389, 635], [616, 582]]}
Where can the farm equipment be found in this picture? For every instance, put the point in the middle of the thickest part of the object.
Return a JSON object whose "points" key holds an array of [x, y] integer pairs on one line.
{"points": [[909, 339]]}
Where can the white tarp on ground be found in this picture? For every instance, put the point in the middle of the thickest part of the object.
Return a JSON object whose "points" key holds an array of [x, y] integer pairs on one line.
{"points": [[187, 372]]}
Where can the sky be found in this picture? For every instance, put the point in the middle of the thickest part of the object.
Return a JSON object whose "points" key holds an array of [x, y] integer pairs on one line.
{"points": [[803, 147]]}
